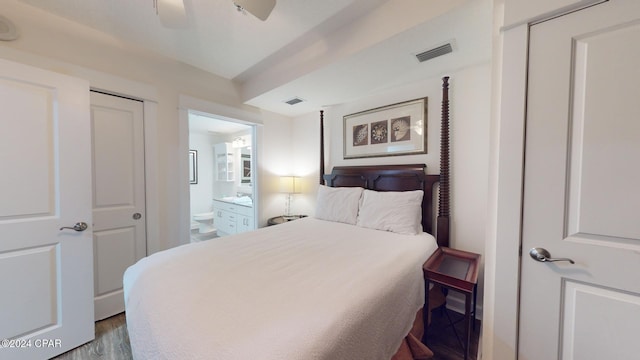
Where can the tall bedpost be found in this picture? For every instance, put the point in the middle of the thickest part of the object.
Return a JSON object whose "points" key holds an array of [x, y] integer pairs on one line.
{"points": [[321, 147], [442, 234]]}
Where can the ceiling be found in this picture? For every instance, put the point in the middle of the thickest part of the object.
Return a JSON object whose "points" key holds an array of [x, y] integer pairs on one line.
{"points": [[324, 52]]}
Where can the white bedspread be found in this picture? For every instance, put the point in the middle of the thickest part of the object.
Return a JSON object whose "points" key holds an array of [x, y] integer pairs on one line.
{"points": [[306, 289]]}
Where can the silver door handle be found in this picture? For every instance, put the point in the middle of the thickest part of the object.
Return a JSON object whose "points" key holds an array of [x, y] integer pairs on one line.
{"points": [[79, 226], [543, 255]]}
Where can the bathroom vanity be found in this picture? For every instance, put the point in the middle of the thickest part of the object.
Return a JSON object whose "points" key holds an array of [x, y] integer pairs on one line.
{"points": [[231, 215]]}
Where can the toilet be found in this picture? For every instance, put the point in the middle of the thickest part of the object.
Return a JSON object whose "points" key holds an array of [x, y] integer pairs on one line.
{"points": [[202, 227]]}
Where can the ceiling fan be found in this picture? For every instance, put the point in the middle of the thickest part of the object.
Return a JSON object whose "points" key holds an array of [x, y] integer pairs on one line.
{"points": [[258, 8], [173, 15]]}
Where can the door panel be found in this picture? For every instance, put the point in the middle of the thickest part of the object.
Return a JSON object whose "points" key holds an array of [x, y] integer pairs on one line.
{"points": [[580, 190], [36, 265], [115, 252], [27, 157], [45, 185], [118, 193], [589, 332], [604, 140]]}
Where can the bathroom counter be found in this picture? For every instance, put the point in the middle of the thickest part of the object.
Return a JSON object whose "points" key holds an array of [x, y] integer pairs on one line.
{"points": [[236, 201]]}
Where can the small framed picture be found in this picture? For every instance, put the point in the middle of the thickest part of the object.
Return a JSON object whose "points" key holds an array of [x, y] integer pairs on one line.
{"points": [[193, 166]]}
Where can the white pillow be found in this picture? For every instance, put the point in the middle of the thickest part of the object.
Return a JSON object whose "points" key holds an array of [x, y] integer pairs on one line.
{"points": [[396, 211], [338, 204]]}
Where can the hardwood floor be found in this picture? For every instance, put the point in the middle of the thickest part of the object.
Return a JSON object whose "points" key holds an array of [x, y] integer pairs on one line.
{"points": [[112, 340], [442, 340]]}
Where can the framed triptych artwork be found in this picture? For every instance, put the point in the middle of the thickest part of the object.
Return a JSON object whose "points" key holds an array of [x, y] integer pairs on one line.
{"points": [[398, 129]]}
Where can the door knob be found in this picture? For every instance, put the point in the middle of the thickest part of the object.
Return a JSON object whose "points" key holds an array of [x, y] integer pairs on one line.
{"points": [[137, 216], [79, 226], [543, 255]]}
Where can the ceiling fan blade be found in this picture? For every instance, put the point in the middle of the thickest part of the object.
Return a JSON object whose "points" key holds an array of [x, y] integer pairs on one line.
{"points": [[172, 13], [259, 8]]}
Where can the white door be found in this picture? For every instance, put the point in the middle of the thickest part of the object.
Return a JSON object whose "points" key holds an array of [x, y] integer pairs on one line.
{"points": [[119, 231], [582, 187], [46, 297]]}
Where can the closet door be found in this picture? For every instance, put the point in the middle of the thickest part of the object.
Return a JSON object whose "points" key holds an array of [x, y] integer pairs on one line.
{"points": [[581, 191], [119, 233]]}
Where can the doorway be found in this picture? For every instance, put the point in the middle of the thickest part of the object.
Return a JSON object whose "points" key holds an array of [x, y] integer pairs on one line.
{"points": [[222, 179]]}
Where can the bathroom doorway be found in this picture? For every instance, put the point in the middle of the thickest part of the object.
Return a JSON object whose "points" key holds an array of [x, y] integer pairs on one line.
{"points": [[221, 176]]}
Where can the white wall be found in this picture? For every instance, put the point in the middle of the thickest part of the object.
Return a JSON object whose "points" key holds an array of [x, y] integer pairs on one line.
{"points": [[469, 95], [202, 193], [55, 44], [274, 160]]}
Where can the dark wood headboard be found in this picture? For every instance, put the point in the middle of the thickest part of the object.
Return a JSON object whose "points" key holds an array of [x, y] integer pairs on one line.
{"points": [[390, 178], [403, 177]]}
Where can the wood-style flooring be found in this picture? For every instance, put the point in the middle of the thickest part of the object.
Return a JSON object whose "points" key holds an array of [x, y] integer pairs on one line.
{"points": [[112, 340], [442, 340]]}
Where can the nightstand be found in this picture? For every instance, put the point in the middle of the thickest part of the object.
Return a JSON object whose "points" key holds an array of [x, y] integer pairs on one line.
{"points": [[283, 219], [455, 270]]}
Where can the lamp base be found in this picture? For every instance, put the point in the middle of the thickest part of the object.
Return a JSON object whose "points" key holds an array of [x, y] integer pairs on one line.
{"points": [[287, 208]]}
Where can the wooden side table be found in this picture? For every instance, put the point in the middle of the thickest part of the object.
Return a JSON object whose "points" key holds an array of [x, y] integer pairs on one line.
{"points": [[283, 219], [455, 270]]}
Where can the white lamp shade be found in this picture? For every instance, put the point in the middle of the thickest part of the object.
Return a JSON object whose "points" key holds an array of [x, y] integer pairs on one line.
{"points": [[290, 184]]}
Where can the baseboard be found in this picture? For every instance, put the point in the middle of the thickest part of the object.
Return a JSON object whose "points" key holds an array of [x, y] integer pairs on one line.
{"points": [[455, 302]]}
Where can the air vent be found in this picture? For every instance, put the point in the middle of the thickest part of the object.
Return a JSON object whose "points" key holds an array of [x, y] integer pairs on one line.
{"points": [[435, 52], [294, 101]]}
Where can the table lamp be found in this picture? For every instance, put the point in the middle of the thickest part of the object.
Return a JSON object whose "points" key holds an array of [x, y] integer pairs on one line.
{"points": [[289, 185]]}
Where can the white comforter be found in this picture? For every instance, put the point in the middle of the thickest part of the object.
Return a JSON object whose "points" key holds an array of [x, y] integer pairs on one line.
{"points": [[307, 289]]}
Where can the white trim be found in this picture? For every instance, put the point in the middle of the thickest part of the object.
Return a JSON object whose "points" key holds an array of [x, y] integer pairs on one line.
{"points": [[117, 85], [455, 302], [502, 261], [184, 194], [223, 112], [151, 176], [188, 104], [553, 14]]}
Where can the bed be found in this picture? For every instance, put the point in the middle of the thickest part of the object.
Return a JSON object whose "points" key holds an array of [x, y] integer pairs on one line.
{"points": [[344, 284]]}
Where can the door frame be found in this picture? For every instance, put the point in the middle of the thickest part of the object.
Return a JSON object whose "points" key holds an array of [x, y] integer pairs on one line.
{"points": [[143, 93], [506, 181], [223, 112]]}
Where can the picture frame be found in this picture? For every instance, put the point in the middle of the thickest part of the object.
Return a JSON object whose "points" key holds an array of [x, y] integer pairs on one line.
{"points": [[391, 130], [193, 166]]}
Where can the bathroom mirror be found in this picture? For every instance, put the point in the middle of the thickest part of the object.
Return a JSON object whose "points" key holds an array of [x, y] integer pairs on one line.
{"points": [[245, 164]]}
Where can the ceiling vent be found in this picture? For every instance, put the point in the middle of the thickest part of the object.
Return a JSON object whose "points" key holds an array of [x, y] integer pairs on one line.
{"points": [[294, 101], [435, 52]]}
